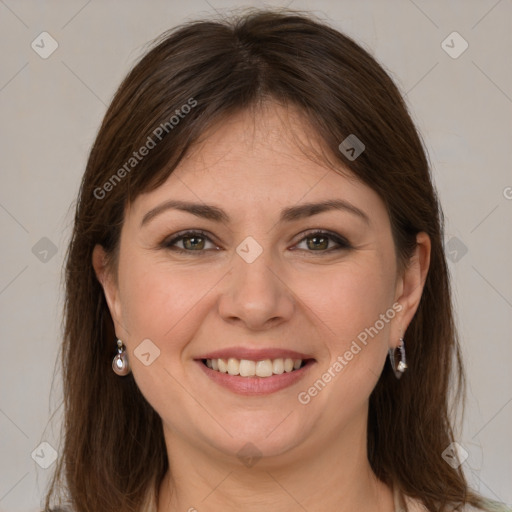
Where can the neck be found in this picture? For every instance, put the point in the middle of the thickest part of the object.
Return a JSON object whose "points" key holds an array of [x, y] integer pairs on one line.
{"points": [[333, 474]]}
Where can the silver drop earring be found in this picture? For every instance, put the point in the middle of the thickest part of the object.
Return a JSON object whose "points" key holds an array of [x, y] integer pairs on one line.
{"points": [[120, 363], [398, 369]]}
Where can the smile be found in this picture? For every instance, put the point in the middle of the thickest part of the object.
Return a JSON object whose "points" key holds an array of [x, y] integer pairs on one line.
{"points": [[255, 378], [248, 368]]}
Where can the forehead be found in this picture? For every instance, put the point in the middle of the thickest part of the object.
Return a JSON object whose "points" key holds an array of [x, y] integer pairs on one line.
{"points": [[258, 158], [269, 137]]}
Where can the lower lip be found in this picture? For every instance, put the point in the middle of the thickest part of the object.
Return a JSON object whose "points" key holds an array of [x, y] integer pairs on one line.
{"points": [[256, 385]]}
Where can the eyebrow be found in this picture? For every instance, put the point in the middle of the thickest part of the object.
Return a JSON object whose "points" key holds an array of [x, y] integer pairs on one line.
{"points": [[289, 214]]}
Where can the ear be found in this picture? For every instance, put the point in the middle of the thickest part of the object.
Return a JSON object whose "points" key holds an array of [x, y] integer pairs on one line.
{"points": [[409, 286], [109, 284]]}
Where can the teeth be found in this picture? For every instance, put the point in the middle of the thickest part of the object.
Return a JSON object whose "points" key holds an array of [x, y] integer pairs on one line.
{"points": [[264, 368], [223, 365], [247, 368], [278, 366], [233, 366]]}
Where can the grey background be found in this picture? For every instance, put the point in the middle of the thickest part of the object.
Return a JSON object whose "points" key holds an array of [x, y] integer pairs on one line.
{"points": [[51, 109]]}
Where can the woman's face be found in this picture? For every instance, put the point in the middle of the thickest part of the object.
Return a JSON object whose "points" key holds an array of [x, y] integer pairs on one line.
{"points": [[257, 284]]}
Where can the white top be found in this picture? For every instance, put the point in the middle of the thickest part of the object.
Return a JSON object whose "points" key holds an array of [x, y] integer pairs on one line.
{"points": [[407, 504], [402, 504]]}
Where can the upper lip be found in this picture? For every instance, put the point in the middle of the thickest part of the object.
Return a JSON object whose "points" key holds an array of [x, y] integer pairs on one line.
{"points": [[254, 354]]}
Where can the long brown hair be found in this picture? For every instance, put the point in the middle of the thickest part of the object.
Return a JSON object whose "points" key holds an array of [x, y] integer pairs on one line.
{"points": [[113, 451]]}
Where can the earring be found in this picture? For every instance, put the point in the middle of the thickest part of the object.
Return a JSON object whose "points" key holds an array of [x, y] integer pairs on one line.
{"points": [[402, 365], [120, 363]]}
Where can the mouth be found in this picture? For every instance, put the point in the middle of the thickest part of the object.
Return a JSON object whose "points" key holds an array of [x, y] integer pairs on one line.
{"points": [[248, 368], [251, 377]]}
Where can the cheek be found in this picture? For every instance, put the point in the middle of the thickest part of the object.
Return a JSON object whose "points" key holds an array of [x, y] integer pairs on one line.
{"points": [[164, 304], [348, 305], [364, 322], [348, 300]]}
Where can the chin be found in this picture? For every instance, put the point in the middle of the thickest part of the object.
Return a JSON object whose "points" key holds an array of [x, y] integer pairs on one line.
{"points": [[257, 437]]}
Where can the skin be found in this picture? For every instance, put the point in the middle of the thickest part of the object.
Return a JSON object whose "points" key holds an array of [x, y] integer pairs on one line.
{"points": [[294, 296]]}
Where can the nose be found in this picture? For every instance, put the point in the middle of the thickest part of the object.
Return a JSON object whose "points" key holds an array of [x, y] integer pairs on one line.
{"points": [[256, 294]]}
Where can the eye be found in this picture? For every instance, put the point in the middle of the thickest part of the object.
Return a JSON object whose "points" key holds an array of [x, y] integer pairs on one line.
{"points": [[196, 241], [320, 241], [192, 241]]}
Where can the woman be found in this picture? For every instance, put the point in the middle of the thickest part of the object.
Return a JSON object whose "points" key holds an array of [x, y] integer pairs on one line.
{"points": [[256, 232]]}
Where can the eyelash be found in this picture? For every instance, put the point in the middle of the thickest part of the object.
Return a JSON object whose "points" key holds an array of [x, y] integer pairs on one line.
{"points": [[343, 244]]}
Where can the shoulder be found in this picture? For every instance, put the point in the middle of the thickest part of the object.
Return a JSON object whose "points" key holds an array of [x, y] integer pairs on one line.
{"points": [[490, 506], [414, 505]]}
